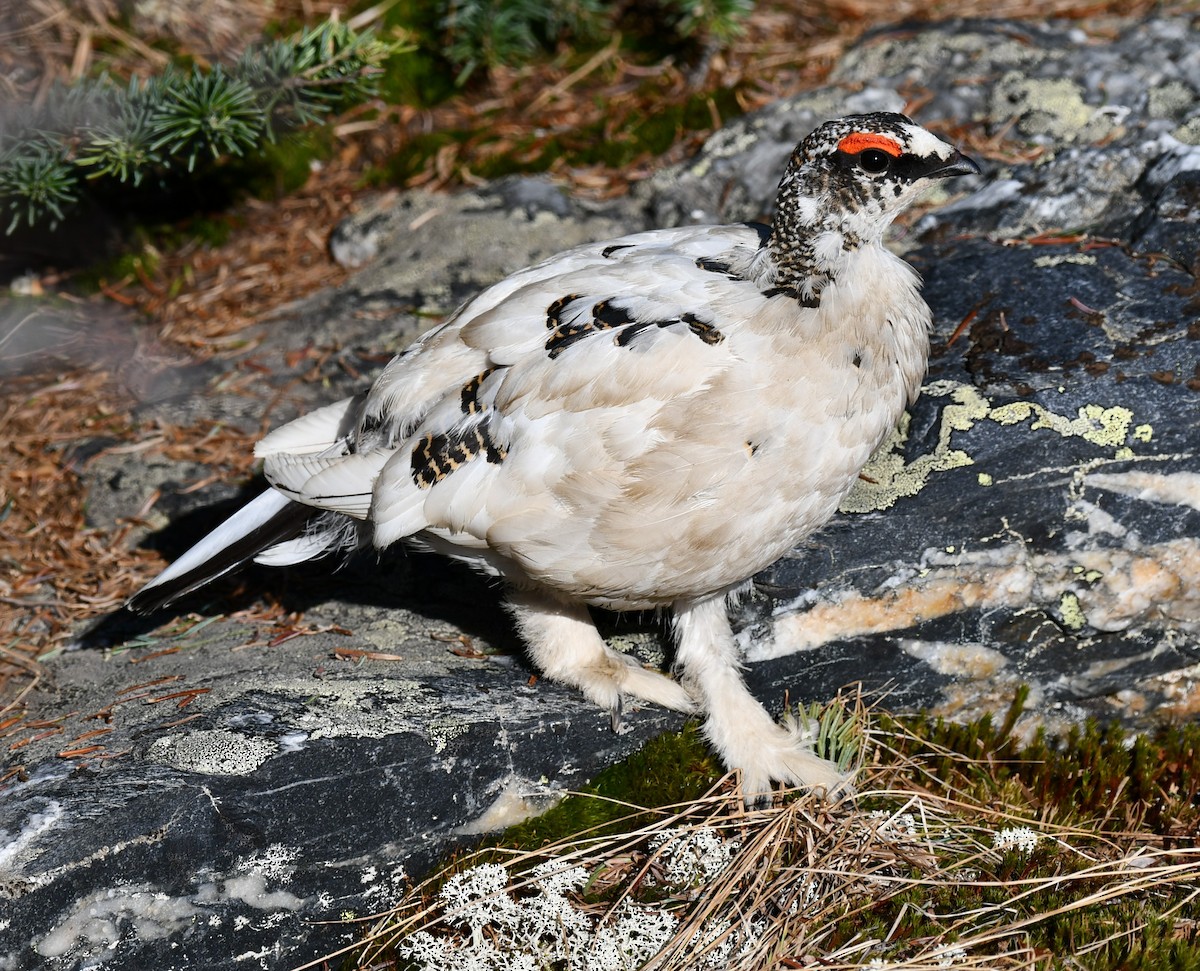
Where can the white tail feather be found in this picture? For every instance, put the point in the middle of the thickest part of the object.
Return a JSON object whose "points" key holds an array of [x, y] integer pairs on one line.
{"points": [[337, 483], [347, 485], [297, 550], [289, 473], [240, 524]]}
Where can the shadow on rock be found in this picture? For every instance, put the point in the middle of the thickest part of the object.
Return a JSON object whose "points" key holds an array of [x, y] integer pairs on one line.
{"points": [[429, 585]]}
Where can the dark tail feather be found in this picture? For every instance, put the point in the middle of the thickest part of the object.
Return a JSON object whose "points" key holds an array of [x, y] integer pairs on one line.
{"points": [[271, 518]]}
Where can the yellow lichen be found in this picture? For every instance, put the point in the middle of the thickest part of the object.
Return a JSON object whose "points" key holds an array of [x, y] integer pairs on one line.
{"points": [[1073, 617], [887, 477]]}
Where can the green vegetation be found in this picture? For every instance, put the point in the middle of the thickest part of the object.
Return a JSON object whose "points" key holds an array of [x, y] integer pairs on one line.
{"points": [[964, 847], [181, 121], [191, 134], [470, 35]]}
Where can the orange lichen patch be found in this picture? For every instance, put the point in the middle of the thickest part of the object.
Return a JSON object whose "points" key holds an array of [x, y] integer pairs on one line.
{"points": [[1154, 585], [856, 615], [1180, 693], [861, 141]]}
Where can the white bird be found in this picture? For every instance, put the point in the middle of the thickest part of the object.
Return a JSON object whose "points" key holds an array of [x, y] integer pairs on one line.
{"points": [[635, 424]]}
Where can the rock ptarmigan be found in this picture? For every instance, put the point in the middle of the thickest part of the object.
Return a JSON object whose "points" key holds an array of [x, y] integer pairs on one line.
{"points": [[639, 423]]}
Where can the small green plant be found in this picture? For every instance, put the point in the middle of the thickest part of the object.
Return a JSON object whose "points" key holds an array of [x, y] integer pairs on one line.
{"points": [[99, 131], [488, 33], [838, 731]]}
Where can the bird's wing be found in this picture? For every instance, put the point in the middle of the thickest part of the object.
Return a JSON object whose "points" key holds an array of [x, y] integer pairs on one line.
{"points": [[545, 395]]}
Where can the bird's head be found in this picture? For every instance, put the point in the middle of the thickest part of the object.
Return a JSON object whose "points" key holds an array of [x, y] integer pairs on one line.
{"points": [[870, 166], [843, 186]]}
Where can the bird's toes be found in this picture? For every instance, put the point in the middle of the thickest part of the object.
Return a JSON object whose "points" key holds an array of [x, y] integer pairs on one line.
{"points": [[805, 769], [766, 754], [656, 688]]}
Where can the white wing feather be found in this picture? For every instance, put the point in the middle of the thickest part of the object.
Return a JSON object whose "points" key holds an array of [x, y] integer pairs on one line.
{"points": [[313, 432]]}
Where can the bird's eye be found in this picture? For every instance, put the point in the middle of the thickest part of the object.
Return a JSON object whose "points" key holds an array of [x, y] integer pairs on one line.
{"points": [[873, 161]]}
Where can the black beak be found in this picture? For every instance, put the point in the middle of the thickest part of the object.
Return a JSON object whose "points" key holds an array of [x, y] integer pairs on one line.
{"points": [[956, 164]]}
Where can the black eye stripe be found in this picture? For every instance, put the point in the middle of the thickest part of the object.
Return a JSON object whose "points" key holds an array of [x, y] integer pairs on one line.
{"points": [[905, 168]]}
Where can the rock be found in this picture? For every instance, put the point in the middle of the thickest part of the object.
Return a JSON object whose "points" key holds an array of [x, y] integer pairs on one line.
{"points": [[355, 240], [203, 795], [1039, 514], [238, 795]]}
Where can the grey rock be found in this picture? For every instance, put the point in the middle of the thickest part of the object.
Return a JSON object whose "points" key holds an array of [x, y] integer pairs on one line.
{"points": [[300, 789], [531, 195], [1106, 124], [1170, 224], [1035, 520], [355, 240]]}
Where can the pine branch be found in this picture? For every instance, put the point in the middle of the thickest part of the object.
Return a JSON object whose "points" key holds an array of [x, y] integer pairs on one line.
{"points": [[37, 180], [96, 130]]}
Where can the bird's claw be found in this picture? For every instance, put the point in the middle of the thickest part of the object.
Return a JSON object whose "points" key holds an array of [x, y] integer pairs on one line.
{"points": [[617, 714]]}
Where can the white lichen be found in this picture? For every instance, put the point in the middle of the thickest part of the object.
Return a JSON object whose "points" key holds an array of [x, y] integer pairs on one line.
{"points": [[693, 856], [1020, 838], [491, 923]]}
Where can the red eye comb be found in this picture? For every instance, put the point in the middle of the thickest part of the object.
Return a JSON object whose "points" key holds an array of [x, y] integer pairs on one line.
{"points": [[858, 141]]}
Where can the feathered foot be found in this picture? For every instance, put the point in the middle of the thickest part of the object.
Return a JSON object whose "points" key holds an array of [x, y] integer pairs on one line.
{"points": [[565, 645], [736, 724]]}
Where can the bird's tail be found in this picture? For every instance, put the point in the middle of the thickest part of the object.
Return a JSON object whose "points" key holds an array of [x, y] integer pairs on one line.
{"points": [[270, 524], [274, 529]]}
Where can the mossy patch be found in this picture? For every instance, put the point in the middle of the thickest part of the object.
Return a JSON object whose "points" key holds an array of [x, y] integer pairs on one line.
{"points": [[675, 767]]}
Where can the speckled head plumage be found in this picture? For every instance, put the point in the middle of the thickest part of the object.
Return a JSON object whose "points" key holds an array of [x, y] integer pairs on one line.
{"points": [[843, 186]]}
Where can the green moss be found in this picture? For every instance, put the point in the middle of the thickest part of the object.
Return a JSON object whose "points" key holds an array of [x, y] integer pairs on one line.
{"points": [[1097, 776], [673, 768]]}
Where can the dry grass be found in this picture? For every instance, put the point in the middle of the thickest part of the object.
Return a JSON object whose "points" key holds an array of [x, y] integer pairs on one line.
{"points": [[806, 873], [940, 859]]}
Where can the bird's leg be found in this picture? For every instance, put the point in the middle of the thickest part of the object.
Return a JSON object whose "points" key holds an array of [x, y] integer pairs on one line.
{"points": [[564, 644], [736, 724]]}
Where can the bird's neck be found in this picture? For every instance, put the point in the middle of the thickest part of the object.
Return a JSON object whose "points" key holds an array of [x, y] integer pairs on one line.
{"points": [[810, 246]]}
